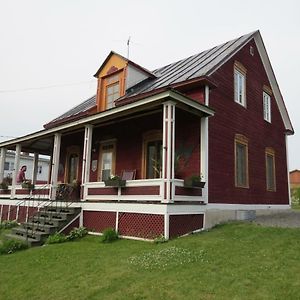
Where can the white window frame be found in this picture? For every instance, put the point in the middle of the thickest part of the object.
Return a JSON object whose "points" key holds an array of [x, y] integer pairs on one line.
{"points": [[267, 107], [239, 87]]}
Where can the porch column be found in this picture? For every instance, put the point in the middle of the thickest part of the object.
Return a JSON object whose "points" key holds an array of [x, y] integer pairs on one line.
{"points": [[16, 170], [86, 160], [2, 163], [55, 165], [35, 167], [204, 148], [168, 150]]}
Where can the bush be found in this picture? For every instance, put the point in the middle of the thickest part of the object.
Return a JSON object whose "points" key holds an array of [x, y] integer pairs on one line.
{"points": [[109, 235], [77, 233], [160, 240], [56, 238], [11, 246], [8, 224]]}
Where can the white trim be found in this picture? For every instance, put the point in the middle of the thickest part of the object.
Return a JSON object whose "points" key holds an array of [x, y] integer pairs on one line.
{"points": [[86, 160], [1, 212], [66, 226], [111, 113], [35, 167], [167, 226], [287, 168], [55, 165], [16, 170], [2, 163], [224, 206]]}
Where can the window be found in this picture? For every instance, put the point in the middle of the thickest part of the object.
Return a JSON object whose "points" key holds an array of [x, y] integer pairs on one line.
{"points": [[152, 155], [239, 84], [241, 161], [270, 170], [267, 106], [107, 160], [6, 166], [112, 90]]}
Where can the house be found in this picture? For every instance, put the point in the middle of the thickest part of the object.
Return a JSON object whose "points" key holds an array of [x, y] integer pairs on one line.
{"points": [[27, 160], [218, 114]]}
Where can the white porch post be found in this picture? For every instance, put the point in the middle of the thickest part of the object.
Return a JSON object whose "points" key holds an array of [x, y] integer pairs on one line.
{"points": [[86, 161], [55, 165], [204, 148], [16, 170], [168, 150], [35, 167], [2, 163]]}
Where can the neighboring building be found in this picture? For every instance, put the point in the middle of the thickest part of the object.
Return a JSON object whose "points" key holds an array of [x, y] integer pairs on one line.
{"points": [[218, 114], [27, 160], [295, 179]]}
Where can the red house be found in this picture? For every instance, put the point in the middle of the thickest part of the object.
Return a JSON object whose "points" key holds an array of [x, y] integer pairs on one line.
{"points": [[218, 115]]}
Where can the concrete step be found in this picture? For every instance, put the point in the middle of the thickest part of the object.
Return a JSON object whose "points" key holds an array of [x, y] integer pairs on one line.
{"points": [[53, 215], [34, 234], [46, 221], [30, 241], [41, 227], [69, 210]]}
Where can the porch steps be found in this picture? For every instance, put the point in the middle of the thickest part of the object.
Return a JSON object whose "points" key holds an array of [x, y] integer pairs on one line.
{"points": [[47, 221]]}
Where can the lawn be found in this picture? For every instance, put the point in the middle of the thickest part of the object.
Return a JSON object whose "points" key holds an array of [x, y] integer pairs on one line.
{"points": [[233, 261]]}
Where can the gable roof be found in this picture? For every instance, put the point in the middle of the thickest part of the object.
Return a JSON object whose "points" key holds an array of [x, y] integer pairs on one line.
{"points": [[196, 67]]}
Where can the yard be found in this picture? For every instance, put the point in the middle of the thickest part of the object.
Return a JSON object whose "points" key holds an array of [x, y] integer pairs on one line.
{"points": [[233, 261]]}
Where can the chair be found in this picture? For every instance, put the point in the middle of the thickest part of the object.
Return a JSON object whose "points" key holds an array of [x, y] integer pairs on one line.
{"points": [[128, 174]]}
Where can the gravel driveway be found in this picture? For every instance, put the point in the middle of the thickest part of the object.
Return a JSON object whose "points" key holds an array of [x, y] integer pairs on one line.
{"points": [[288, 219]]}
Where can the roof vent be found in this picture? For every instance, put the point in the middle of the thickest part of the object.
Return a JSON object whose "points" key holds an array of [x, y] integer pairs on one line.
{"points": [[252, 50]]}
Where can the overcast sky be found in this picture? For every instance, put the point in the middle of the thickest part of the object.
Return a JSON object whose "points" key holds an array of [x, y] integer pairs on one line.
{"points": [[49, 50]]}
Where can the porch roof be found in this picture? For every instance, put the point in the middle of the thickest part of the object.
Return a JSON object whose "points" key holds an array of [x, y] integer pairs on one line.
{"points": [[41, 141]]}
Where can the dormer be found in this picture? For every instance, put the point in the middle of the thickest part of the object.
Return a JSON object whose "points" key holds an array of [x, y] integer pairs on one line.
{"points": [[115, 76]]}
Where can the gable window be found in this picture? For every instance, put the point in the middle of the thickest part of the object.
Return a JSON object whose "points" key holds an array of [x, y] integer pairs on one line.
{"points": [[270, 170], [267, 107], [239, 84], [107, 160], [241, 161], [152, 155], [112, 91]]}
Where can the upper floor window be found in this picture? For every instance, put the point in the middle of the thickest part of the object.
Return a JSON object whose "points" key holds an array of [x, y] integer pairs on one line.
{"points": [[267, 106], [270, 170], [239, 84], [241, 161], [112, 91]]}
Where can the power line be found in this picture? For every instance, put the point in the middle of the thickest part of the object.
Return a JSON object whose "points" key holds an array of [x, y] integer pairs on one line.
{"points": [[46, 87]]}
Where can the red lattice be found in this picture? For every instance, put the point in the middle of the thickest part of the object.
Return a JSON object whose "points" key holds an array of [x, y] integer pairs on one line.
{"points": [[99, 220], [141, 225], [22, 214], [182, 224], [4, 212], [74, 224]]}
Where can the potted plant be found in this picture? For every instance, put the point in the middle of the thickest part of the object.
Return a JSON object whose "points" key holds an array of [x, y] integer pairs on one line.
{"points": [[194, 181], [27, 185], [4, 185], [115, 181]]}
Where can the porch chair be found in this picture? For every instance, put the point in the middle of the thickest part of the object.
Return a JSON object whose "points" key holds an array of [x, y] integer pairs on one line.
{"points": [[128, 174]]}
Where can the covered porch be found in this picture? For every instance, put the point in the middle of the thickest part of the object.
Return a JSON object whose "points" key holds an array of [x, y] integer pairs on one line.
{"points": [[162, 139]]}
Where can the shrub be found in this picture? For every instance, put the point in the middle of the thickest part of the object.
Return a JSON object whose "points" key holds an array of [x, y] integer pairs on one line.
{"points": [[11, 246], [77, 233], [109, 235], [56, 238], [8, 224], [160, 239]]}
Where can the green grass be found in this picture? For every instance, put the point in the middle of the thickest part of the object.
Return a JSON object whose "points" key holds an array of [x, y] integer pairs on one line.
{"points": [[233, 261]]}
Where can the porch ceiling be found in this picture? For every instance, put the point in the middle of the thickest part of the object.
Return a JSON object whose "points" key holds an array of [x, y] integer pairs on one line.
{"points": [[42, 141]]}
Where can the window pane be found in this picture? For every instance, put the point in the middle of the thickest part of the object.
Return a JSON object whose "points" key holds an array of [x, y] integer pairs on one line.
{"points": [[270, 172], [239, 87], [107, 160], [6, 166], [73, 165], [154, 159], [241, 164]]}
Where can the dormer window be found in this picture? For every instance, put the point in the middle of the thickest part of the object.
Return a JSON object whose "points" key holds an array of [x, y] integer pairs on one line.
{"points": [[112, 91]]}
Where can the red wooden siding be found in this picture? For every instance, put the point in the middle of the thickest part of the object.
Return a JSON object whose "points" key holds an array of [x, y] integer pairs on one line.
{"points": [[74, 224], [183, 224], [197, 94], [231, 118], [141, 190], [99, 220], [102, 191], [184, 191], [141, 225]]}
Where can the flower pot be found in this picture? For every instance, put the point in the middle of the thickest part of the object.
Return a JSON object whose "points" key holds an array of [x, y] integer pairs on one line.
{"points": [[115, 182]]}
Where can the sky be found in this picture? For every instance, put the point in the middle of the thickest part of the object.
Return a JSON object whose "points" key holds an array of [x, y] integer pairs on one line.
{"points": [[50, 49]]}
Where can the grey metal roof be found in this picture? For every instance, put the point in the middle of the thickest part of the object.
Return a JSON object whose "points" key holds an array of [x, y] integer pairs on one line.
{"points": [[76, 110], [201, 64]]}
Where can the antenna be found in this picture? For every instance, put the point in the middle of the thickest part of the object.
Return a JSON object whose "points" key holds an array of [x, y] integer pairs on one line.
{"points": [[128, 42]]}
